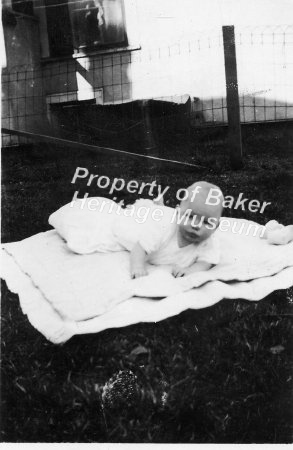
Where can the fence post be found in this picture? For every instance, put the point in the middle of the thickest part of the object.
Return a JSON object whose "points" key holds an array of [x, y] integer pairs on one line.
{"points": [[148, 130], [233, 110]]}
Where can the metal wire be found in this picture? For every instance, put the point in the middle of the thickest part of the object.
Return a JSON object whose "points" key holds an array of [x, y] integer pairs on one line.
{"points": [[94, 148]]}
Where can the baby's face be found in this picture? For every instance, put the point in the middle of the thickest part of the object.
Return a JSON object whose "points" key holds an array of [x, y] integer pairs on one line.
{"points": [[201, 219]]}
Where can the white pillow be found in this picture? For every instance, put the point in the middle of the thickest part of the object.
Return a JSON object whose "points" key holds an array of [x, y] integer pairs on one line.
{"points": [[86, 225]]}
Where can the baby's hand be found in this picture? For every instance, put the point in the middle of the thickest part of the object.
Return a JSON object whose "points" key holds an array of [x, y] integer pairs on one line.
{"points": [[138, 271], [178, 271]]}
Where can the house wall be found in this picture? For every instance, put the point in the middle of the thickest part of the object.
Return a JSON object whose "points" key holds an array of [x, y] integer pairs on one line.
{"points": [[101, 75], [23, 102], [32, 81]]}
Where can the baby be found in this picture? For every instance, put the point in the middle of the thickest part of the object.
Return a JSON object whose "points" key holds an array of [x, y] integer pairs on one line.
{"points": [[187, 243], [182, 238]]}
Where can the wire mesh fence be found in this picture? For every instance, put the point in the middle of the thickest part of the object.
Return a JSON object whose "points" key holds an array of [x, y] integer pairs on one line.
{"points": [[89, 96], [265, 73]]}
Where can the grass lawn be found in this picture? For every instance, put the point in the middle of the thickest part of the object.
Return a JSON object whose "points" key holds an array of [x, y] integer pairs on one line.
{"points": [[217, 375]]}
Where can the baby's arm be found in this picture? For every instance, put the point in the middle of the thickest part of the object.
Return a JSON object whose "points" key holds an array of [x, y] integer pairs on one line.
{"points": [[138, 261], [199, 266]]}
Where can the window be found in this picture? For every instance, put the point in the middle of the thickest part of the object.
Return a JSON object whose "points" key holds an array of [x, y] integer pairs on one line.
{"points": [[23, 7], [59, 29], [84, 25]]}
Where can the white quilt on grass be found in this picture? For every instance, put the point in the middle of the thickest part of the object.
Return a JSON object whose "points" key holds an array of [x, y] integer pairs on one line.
{"points": [[64, 294]]}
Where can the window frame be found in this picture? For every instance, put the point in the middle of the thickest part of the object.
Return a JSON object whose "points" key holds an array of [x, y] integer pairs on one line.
{"points": [[82, 50]]}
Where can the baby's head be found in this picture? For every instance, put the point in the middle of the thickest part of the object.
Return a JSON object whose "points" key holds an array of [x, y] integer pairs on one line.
{"points": [[201, 211]]}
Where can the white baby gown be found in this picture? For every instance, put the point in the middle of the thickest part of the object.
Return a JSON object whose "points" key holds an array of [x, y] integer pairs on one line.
{"points": [[99, 224]]}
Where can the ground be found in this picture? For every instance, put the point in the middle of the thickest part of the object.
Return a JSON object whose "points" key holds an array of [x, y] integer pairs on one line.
{"points": [[220, 374]]}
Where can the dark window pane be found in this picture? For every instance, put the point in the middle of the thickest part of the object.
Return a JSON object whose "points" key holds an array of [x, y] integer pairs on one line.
{"points": [[87, 22], [59, 28], [23, 6]]}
